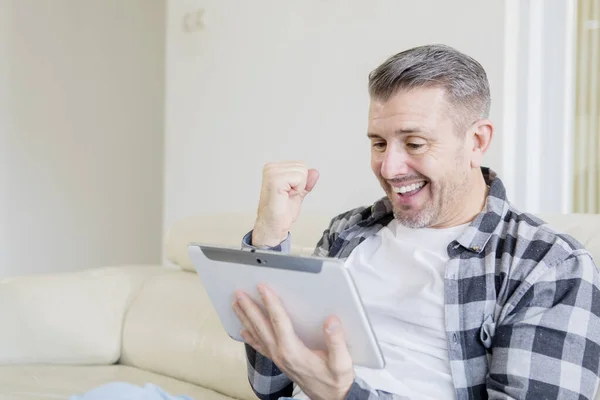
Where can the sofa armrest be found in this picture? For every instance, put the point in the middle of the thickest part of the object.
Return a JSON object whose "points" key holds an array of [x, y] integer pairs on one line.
{"points": [[69, 318]]}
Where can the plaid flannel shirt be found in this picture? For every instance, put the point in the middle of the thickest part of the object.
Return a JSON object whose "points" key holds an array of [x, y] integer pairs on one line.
{"points": [[522, 306]]}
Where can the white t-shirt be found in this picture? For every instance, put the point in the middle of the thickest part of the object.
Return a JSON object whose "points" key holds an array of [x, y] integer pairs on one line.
{"points": [[399, 273]]}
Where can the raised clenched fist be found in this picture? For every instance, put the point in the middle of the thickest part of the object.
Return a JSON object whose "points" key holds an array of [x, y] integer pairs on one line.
{"points": [[284, 186]]}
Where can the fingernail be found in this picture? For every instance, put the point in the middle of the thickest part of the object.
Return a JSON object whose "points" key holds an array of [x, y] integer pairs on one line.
{"points": [[333, 327], [261, 289]]}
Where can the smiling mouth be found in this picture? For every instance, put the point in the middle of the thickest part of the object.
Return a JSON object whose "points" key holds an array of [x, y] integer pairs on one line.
{"points": [[409, 190]]}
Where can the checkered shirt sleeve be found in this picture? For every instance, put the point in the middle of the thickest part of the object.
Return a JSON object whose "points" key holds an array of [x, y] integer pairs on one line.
{"points": [[547, 343]]}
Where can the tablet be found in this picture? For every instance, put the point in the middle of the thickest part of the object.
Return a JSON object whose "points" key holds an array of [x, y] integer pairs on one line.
{"points": [[311, 289]]}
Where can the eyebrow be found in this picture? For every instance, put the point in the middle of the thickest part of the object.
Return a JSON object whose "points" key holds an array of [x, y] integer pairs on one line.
{"points": [[402, 131]]}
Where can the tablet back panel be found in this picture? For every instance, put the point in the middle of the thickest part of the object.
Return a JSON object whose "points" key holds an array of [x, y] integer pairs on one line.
{"points": [[310, 289]]}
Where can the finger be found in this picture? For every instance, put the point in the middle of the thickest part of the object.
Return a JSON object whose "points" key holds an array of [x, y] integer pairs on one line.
{"points": [[249, 338], [288, 171], [280, 322], [244, 319], [339, 358], [256, 319], [311, 180], [253, 342], [296, 179], [290, 181]]}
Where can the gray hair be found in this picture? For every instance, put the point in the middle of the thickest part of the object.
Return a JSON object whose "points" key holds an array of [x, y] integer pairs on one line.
{"points": [[463, 79]]}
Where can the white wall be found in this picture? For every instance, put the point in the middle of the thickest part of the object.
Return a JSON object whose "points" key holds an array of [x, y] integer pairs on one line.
{"points": [[81, 133], [271, 80]]}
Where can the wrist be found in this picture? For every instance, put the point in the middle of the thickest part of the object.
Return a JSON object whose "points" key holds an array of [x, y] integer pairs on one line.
{"points": [[267, 237], [344, 393], [340, 391]]}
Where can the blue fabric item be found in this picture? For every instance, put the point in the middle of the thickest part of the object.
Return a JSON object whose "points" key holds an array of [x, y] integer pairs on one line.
{"points": [[127, 391]]}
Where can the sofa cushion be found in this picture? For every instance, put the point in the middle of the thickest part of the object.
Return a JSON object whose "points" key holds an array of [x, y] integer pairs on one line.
{"points": [[69, 318], [583, 227], [172, 329], [37, 382]]}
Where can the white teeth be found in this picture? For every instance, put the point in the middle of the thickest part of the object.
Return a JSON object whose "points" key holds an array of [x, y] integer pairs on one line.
{"points": [[409, 188]]}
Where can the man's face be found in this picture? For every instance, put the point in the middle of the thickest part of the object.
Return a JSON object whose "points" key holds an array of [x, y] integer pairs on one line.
{"points": [[420, 160]]}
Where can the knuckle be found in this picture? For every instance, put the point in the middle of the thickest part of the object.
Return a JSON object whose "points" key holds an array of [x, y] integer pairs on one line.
{"points": [[299, 163], [267, 171], [277, 172], [276, 321], [254, 328], [270, 168]]}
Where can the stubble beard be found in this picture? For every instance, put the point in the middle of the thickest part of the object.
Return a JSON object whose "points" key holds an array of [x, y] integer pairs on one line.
{"points": [[445, 200]]}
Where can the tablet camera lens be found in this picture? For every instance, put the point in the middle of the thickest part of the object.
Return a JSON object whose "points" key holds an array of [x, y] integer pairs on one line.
{"points": [[258, 260]]}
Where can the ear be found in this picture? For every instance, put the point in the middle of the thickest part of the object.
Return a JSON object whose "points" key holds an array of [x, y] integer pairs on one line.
{"points": [[481, 134]]}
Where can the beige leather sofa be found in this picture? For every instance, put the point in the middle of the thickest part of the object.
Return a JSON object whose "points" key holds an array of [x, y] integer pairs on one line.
{"points": [[68, 333]]}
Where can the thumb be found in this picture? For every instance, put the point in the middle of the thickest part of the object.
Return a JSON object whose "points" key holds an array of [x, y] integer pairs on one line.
{"points": [[311, 179], [339, 359]]}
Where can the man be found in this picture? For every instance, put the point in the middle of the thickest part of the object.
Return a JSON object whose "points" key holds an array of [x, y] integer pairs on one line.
{"points": [[469, 297]]}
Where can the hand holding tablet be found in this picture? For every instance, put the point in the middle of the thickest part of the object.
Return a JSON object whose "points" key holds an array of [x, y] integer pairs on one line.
{"points": [[273, 336]]}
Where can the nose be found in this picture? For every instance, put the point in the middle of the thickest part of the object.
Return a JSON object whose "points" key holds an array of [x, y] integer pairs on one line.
{"points": [[394, 163]]}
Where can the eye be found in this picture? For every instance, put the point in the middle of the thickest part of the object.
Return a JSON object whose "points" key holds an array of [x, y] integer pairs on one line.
{"points": [[415, 145], [379, 146]]}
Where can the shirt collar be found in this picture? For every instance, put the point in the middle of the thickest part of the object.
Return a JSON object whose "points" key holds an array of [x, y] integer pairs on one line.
{"points": [[480, 230]]}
